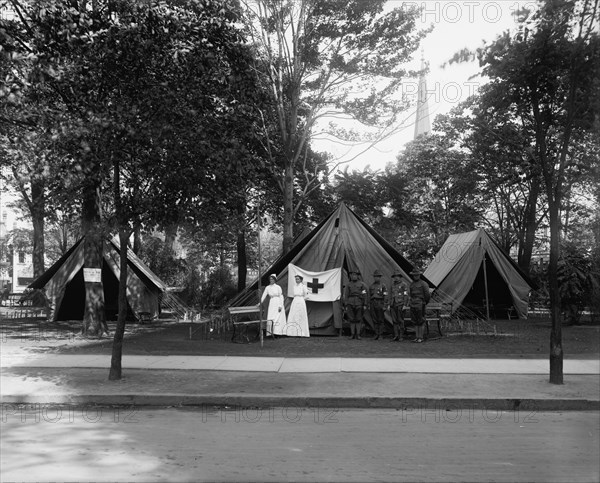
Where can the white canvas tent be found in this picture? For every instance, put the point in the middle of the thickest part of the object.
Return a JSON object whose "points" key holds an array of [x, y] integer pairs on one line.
{"points": [[341, 240], [471, 270], [64, 287]]}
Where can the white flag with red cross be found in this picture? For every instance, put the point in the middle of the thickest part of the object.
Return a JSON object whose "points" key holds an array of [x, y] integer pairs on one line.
{"points": [[322, 286]]}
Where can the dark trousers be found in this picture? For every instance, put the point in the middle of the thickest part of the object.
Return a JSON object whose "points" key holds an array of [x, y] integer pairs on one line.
{"points": [[417, 315], [354, 313], [377, 314], [398, 320]]}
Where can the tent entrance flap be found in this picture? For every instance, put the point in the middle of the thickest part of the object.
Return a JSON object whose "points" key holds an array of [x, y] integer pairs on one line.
{"points": [[320, 314], [110, 284], [499, 296], [73, 301], [324, 318]]}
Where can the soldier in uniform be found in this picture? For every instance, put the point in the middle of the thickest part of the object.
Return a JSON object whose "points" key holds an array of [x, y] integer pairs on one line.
{"points": [[355, 303], [378, 297], [419, 296], [398, 300]]}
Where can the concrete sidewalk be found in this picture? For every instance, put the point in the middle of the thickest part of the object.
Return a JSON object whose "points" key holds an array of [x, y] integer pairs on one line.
{"points": [[306, 364], [426, 384]]}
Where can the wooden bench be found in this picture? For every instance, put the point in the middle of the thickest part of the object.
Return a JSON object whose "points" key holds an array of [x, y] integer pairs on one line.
{"points": [[438, 313], [240, 327]]}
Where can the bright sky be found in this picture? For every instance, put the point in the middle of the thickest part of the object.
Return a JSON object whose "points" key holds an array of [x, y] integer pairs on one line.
{"points": [[457, 24]]}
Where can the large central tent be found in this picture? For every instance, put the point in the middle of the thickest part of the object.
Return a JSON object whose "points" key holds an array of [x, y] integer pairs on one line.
{"points": [[473, 271], [340, 240]]}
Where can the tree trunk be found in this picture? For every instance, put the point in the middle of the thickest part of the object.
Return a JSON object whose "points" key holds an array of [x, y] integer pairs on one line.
{"points": [[38, 208], [137, 239], [36, 204], [170, 236], [242, 254], [242, 260], [531, 225], [556, 350], [117, 347], [93, 315], [288, 209]]}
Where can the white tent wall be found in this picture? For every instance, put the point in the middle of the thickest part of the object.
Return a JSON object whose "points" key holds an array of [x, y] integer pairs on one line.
{"points": [[454, 250], [137, 264], [456, 266], [56, 286], [458, 282], [139, 297]]}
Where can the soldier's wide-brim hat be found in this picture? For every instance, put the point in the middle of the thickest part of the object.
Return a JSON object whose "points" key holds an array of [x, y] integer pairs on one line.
{"points": [[397, 273], [350, 272], [377, 273], [416, 271]]}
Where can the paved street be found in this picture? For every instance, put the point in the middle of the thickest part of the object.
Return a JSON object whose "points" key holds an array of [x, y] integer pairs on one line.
{"points": [[50, 443], [52, 428]]}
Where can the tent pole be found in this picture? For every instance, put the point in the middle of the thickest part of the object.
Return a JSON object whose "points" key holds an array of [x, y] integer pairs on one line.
{"points": [[485, 281], [260, 323]]}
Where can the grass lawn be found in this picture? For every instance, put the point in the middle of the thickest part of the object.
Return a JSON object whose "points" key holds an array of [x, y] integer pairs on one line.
{"points": [[513, 338]]}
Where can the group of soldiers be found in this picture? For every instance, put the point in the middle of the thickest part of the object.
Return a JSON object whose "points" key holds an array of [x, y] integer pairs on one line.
{"points": [[358, 297]]}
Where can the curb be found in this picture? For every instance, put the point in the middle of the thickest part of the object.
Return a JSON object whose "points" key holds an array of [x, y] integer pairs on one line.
{"points": [[408, 404]]}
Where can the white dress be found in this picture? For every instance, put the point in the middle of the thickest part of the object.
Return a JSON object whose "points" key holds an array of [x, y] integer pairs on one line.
{"points": [[297, 322], [273, 313]]}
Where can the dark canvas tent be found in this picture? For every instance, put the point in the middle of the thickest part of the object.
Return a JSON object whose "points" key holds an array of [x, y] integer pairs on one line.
{"points": [[341, 240], [64, 286], [473, 271]]}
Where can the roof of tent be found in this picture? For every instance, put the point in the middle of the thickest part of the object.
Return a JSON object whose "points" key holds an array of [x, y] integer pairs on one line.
{"points": [[48, 274], [456, 265], [133, 261], [140, 267], [340, 240]]}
